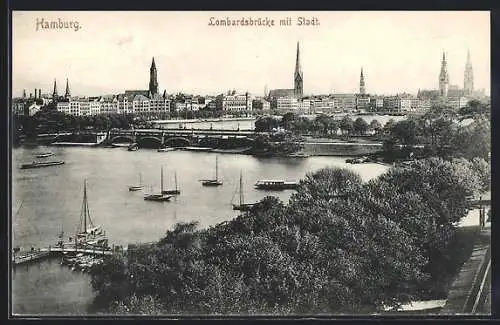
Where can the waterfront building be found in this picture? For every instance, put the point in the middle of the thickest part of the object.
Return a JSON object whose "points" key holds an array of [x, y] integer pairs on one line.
{"points": [[17, 106], [346, 102], [287, 104], [261, 104], [457, 102], [237, 102]]}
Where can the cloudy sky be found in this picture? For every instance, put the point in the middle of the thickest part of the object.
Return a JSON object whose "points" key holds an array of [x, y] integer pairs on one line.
{"points": [[399, 51]]}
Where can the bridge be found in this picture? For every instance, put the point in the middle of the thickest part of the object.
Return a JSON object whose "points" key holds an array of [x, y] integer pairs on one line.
{"points": [[181, 137]]}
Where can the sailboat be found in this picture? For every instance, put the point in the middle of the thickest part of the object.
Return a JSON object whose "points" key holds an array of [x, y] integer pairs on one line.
{"points": [[216, 181], [174, 191], [137, 187], [242, 206], [158, 197], [88, 234]]}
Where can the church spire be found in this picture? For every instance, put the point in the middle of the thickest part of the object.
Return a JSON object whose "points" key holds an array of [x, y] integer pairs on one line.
{"points": [[54, 93], [153, 81], [362, 89], [468, 76], [298, 76], [67, 94], [443, 78]]}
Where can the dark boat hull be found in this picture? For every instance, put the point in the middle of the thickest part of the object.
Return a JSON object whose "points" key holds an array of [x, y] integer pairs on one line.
{"points": [[172, 192], [135, 188], [243, 207], [211, 183], [41, 165], [157, 198]]}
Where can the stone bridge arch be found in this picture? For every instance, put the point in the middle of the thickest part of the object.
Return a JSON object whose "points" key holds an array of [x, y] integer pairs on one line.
{"points": [[121, 139], [177, 142], [149, 142]]}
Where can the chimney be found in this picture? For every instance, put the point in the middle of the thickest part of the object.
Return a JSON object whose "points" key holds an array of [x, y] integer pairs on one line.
{"points": [[31, 95], [40, 93], [35, 93]]}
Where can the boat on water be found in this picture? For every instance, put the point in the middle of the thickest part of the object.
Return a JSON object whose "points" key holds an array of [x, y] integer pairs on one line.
{"points": [[88, 235], [44, 154], [174, 191], [276, 185], [139, 187], [160, 197], [166, 149], [40, 164], [133, 147], [216, 181], [242, 206]]}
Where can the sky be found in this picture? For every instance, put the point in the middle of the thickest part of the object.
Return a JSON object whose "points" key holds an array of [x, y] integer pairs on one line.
{"points": [[112, 51]]}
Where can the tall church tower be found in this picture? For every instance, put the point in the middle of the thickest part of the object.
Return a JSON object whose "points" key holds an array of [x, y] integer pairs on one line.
{"points": [[67, 94], [298, 88], [153, 81], [468, 76], [54, 93], [362, 89], [443, 78]]}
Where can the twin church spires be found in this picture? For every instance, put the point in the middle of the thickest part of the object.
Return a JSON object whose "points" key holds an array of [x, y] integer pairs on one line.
{"points": [[444, 79], [67, 93]]}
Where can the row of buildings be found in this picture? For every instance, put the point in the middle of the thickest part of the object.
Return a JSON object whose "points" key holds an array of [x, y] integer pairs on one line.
{"points": [[281, 100]]}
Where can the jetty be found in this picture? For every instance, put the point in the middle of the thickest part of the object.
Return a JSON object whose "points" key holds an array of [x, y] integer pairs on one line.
{"points": [[38, 254]]}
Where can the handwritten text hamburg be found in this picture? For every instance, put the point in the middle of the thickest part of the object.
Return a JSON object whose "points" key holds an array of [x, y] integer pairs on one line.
{"points": [[263, 22]]}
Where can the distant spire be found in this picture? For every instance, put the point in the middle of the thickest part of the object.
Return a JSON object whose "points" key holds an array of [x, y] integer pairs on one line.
{"points": [[443, 78], [298, 76], [24, 93], [362, 89], [298, 68], [67, 94], [153, 79], [468, 76], [54, 93]]}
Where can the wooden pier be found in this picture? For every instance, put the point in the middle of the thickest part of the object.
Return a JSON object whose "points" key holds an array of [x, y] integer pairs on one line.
{"points": [[42, 253]]}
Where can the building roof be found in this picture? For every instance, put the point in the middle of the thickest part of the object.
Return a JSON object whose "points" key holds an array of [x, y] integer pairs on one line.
{"points": [[281, 93]]}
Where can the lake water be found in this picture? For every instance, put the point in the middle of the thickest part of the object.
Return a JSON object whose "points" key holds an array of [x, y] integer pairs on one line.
{"points": [[48, 200]]}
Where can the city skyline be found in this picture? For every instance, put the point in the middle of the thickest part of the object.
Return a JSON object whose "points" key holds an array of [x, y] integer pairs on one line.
{"points": [[100, 62]]}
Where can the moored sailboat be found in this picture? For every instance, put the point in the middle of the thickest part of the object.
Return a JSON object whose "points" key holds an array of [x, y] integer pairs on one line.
{"points": [[158, 197], [89, 235], [137, 187], [175, 191], [242, 206], [216, 181]]}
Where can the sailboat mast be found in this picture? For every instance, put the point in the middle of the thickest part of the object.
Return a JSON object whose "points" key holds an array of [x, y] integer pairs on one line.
{"points": [[85, 206], [162, 179], [241, 189], [216, 168], [175, 179], [140, 179]]}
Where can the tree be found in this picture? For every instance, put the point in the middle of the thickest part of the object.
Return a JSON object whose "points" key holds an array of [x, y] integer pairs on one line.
{"points": [[375, 125], [266, 124], [288, 121], [360, 126], [346, 125]]}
